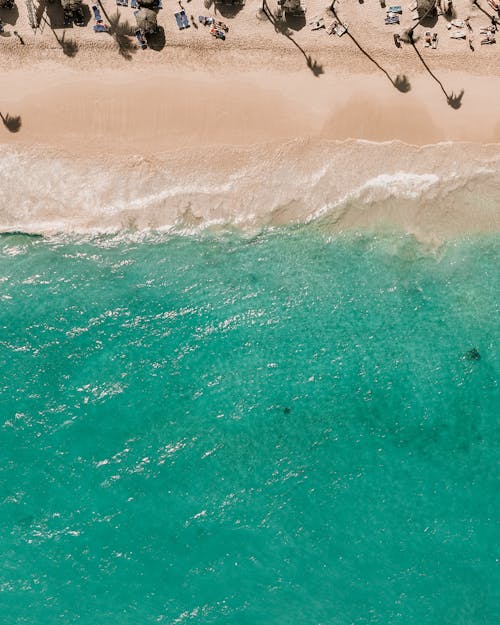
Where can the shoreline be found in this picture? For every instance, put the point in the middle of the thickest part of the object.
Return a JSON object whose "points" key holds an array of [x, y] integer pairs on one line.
{"points": [[159, 141]]}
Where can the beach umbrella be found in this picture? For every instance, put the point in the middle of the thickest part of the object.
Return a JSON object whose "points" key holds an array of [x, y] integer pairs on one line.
{"points": [[425, 7], [146, 20], [72, 5], [292, 6]]}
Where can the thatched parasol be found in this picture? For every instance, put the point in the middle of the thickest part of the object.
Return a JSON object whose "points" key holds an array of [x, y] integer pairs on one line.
{"points": [[146, 20], [293, 7], [147, 3], [72, 5], [425, 7]]}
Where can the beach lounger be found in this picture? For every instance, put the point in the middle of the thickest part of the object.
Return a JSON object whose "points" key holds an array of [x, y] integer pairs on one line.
{"points": [[133, 4], [331, 29], [317, 23], [122, 3], [458, 34], [97, 13], [457, 23], [393, 19], [182, 20], [488, 40], [140, 39], [217, 33], [340, 29], [101, 28], [395, 9], [434, 41]]}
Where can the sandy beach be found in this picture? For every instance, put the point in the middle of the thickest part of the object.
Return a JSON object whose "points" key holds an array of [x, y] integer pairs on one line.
{"points": [[204, 109], [256, 86]]}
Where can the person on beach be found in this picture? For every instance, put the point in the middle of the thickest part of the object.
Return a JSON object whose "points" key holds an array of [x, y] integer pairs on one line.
{"points": [[397, 40]]}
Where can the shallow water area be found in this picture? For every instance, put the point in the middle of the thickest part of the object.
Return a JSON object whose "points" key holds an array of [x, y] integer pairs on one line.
{"points": [[277, 427], [434, 191]]}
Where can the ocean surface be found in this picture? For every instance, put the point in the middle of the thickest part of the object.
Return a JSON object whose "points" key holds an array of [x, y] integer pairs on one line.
{"points": [[287, 427]]}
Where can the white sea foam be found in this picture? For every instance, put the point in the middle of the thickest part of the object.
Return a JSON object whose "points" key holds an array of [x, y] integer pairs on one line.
{"points": [[336, 184]]}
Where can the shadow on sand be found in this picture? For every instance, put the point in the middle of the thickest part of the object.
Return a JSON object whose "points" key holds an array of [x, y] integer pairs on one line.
{"points": [[13, 123], [400, 82], [9, 16], [68, 46], [492, 18], [295, 22], [122, 33], [157, 40], [453, 100], [227, 8], [281, 27]]}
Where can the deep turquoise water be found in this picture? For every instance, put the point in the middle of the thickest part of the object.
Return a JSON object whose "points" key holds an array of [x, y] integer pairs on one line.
{"points": [[276, 430]]}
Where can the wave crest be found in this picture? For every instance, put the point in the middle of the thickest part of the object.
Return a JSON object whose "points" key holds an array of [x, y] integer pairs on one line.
{"points": [[336, 185]]}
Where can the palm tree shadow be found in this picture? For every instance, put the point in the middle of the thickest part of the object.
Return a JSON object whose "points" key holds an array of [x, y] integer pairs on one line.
{"points": [[401, 82], [121, 33], [13, 123], [455, 101], [491, 17], [314, 66], [68, 46], [281, 27]]}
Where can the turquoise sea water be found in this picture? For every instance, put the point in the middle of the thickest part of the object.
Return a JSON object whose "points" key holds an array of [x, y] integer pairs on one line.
{"points": [[282, 429]]}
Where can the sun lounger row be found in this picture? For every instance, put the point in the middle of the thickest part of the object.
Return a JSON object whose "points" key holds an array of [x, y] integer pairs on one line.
{"points": [[136, 4]]}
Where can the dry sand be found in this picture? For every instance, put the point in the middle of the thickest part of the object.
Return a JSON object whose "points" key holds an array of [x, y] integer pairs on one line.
{"points": [[254, 87]]}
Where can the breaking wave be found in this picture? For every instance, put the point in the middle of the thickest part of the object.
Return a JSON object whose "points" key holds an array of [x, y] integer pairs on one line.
{"points": [[434, 190]]}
